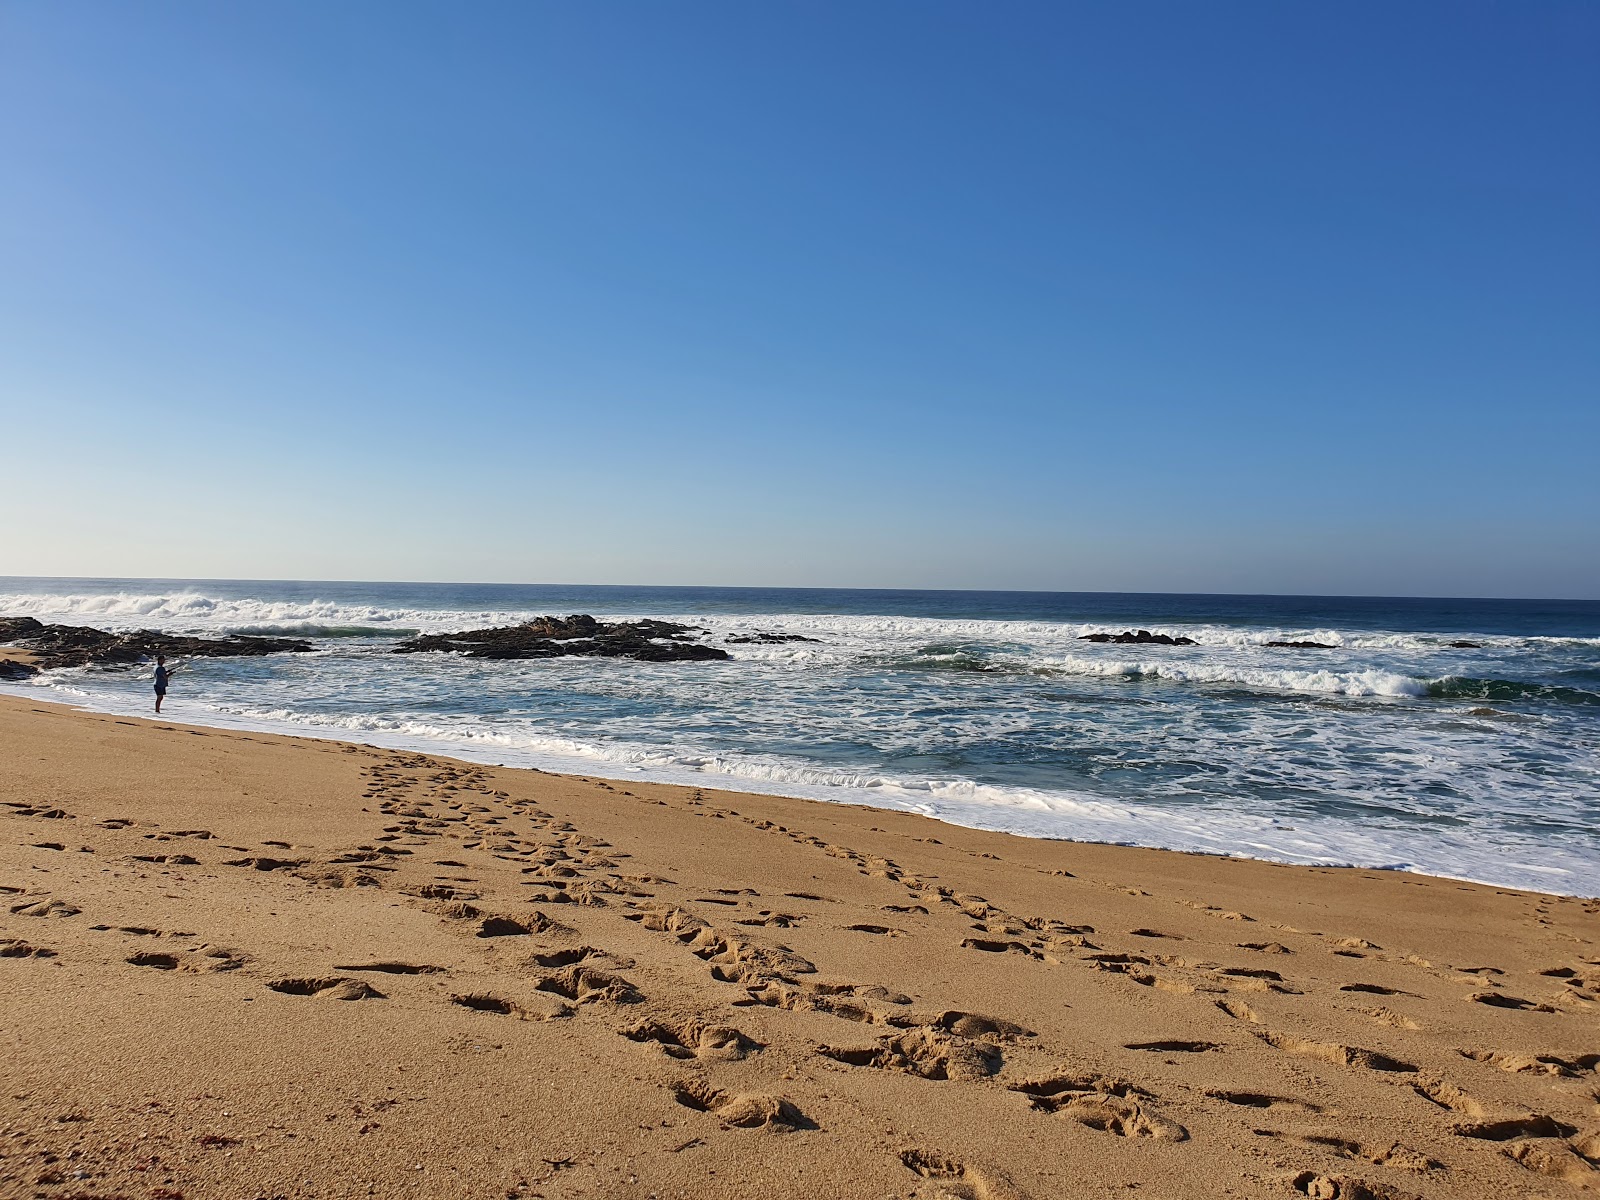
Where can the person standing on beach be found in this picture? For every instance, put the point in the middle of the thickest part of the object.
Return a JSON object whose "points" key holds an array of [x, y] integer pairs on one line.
{"points": [[162, 676]]}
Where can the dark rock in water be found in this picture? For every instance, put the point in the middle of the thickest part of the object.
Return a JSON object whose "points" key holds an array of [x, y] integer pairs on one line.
{"points": [[12, 628], [1302, 645], [12, 671], [557, 637], [78, 646], [761, 638], [1140, 637], [1466, 645]]}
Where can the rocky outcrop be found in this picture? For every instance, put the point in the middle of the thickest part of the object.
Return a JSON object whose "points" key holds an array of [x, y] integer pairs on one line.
{"points": [[13, 671], [51, 646], [557, 637], [13, 628], [1466, 645], [762, 638], [1302, 645], [1138, 637]]}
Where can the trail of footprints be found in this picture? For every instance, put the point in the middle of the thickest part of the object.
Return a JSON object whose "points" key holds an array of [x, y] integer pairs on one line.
{"points": [[1538, 1142], [431, 804]]}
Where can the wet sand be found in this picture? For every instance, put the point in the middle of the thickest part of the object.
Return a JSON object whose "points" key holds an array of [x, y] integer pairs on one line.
{"points": [[241, 965]]}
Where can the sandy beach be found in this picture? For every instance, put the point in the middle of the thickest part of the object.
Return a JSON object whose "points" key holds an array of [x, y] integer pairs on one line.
{"points": [[241, 965]]}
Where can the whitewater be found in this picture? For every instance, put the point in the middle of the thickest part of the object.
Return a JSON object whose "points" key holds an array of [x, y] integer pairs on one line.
{"points": [[1458, 738]]}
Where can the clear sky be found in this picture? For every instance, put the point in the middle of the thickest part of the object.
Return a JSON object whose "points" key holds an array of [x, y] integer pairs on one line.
{"points": [[1286, 297]]}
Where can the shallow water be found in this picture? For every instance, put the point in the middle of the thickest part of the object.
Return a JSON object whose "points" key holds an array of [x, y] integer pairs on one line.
{"points": [[1393, 749]]}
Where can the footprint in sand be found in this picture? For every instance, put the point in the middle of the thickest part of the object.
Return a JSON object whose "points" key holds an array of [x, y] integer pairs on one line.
{"points": [[588, 985], [500, 1006], [332, 987], [1266, 1100], [30, 810], [1387, 1016], [1502, 1000], [1375, 989], [1109, 1105], [693, 1038], [1394, 1154], [923, 1052], [199, 960], [45, 908], [998, 946], [953, 1179], [392, 968], [17, 948], [1538, 1064], [742, 1110], [768, 917], [261, 862], [566, 957], [440, 891], [1448, 1096], [1345, 1187], [161, 962], [1332, 1052]]}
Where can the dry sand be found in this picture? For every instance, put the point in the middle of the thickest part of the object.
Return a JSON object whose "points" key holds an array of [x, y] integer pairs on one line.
{"points": [[242, 965]]}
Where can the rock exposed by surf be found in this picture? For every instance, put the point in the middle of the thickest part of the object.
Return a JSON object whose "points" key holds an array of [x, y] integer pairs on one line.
{"points": [[51, 646], [557, 637], [1302, 645], [1138, 637]]}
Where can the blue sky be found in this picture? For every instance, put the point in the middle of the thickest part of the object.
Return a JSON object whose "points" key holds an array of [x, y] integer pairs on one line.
{"points": [[1153, 296]]}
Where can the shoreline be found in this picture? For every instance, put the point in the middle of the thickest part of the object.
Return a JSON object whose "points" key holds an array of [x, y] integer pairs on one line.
{"points": [[490, 754], [321, 968]]}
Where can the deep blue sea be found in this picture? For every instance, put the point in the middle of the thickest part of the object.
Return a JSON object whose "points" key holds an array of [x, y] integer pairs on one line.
{"points": [[1393, 749]]}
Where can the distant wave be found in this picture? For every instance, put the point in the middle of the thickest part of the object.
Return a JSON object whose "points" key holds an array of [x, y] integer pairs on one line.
{"points": [[1343, 683], [196, 612], [192, 611]]}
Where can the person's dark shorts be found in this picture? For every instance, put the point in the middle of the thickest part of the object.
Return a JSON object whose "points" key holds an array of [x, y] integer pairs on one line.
{"points": [[161, 691]]}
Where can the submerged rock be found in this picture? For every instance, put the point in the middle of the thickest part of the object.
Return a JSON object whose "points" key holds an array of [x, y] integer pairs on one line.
{"points": [[762, 638], [12, 671], [580, 634], [1466, 645], [1302, 645], [1139, 637], [53, 646]]}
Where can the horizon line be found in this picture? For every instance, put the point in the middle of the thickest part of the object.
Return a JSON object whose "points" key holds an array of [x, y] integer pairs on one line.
{"points": [[811, 588]]}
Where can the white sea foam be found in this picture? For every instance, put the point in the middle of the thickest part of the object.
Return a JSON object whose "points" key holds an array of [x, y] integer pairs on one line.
{"points": [[195, 611], [1004, 724], [1342, 683], [1027, 811]]}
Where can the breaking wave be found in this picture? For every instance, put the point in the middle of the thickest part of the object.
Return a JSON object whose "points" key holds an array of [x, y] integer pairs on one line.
{"points": [[1369, 682]]}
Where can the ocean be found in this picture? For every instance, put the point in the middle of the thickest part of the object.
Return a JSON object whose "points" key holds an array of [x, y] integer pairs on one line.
{"points": [[1391, 750]]}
